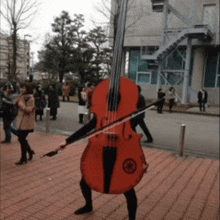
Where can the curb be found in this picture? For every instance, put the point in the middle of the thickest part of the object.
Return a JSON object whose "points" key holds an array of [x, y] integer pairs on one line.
{"points": [[193, 113]]}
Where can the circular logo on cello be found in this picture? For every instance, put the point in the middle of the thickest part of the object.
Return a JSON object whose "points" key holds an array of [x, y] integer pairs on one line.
{"points": [[129, 166]]}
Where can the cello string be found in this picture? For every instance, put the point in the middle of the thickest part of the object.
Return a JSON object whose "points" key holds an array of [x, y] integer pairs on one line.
{"points": [[116, 67], [118, 57]]}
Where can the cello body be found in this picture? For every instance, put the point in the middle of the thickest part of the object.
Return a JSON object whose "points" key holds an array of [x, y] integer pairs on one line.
{"points": [[113, 161]]}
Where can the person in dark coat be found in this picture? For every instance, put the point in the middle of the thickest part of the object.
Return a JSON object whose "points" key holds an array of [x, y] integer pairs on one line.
{"points": [[40, 102], [160, 95], [81, 104], [202, 99], [139, 119], [53, 101], [9, 111], [1, 102]]}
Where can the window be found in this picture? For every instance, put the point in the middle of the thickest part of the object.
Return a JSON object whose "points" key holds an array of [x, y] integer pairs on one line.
{"points": [[209, 15], [175, 60], [143, 77], [142, 71], [172, 78], [212, 68], [19, 59]]}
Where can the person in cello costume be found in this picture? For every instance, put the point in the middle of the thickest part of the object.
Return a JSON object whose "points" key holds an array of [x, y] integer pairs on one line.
{"points": [[130, 195], [116, 101]]}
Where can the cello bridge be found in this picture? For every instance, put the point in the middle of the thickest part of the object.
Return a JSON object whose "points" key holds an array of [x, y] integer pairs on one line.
{"points": [[111, 135]]}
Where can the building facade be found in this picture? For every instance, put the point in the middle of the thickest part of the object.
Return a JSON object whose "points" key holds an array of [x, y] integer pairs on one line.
{"points": [[173, 43], [22, 60]]}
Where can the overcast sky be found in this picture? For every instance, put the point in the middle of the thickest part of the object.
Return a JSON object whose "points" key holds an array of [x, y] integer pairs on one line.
{"points": [[49, 9]]}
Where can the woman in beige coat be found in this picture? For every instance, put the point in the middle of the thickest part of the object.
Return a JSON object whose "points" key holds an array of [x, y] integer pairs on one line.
{"points": [[26, 121]]}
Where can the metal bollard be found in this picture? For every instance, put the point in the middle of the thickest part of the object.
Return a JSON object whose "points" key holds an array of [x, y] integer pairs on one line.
{"points": [[182, 137], [85, 118], [47, 120]]}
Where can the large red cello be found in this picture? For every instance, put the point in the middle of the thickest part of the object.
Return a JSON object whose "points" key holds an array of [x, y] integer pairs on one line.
{"points": [[113, 161]]}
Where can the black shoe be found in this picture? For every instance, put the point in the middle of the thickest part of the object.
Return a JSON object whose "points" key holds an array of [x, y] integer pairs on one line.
{"points": [[84, 209], [53, 118], [21, 161], [31, 155]]}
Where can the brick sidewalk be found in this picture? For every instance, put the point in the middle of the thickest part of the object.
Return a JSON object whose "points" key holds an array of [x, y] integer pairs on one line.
{"points": [[48, 188]]}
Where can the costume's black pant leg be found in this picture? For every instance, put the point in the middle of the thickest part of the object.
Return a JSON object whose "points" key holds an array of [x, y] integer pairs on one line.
{"points": [[145, 129], [86, 191], [134, 124], [131, 203]]}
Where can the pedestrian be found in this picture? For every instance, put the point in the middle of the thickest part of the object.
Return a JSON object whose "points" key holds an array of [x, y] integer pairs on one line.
{"points": [[1, 103], [89, 91], [9, 111], [66, 91], [53, 101], [139, 119], [160, 96], [81, 104], [26, 121], [202, 99], [40, 102], [171, 98], [17, 88]]}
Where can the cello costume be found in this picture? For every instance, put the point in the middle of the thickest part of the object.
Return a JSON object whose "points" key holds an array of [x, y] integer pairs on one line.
{"points": [[86, 190], [113, 161]]}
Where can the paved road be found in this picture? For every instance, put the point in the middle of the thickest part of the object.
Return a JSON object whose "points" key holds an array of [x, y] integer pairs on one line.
{"points": [[201, 138]]}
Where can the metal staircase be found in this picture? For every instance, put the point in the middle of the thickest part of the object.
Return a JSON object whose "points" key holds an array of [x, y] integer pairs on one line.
{"points": [[199, 31], [190, 25]]}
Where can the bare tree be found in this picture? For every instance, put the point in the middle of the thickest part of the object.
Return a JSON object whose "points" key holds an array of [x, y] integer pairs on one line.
{"points": [[18, 14]]}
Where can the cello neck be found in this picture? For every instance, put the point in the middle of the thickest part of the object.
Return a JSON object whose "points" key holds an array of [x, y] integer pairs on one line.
{"points": [[114, 97]]}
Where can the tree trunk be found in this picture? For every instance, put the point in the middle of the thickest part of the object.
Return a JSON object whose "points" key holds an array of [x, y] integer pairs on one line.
{"points": [[12, 76], [61, 77]]}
